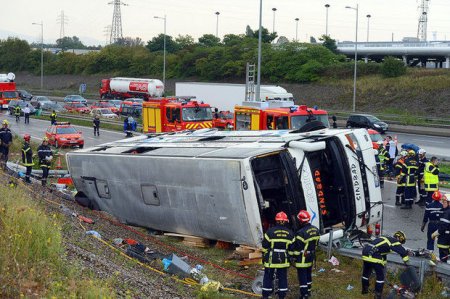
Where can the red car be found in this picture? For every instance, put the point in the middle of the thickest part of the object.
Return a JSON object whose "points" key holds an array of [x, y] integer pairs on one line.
{"points": [[223, 120], [105, 104], [77, 107], [375, 136], [64, 134]]}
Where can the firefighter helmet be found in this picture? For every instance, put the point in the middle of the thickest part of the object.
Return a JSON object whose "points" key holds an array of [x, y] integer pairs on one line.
{"points": [[422, 151], [26, 137], [411, 153], [281, 216], [45, 139], [5, 122], [400, 236], [437, 195], [303, 216], [403, 153], [380, 142]]}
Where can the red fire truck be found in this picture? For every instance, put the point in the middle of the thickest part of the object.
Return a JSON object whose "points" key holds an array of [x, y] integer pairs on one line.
{"points": [[276, 115], [175, 114], [8, 90]]}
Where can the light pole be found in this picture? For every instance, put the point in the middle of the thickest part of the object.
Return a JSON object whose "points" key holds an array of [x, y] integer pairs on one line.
{"points": [[42, 52], [258, 75], [326, 22], [356, 55], [368, 24], [273, 27], [296, 29], [164, 52], [217, 24]]}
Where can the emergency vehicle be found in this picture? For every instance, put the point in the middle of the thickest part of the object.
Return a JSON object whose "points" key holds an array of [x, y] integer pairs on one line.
{"points": [[8, 90], [172, 114], [276, 115]]}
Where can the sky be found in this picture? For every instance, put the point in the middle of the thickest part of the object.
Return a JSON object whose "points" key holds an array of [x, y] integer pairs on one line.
{"points": [[89, 19]]}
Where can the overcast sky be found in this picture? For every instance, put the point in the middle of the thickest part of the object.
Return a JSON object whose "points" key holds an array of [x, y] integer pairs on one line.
{"points": [[88, 19]]}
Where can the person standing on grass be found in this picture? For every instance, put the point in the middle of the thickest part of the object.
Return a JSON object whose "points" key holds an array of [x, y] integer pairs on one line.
{"points": [[53, 117], [96, 124], [27, 157], [45, 155], [6, 139]]}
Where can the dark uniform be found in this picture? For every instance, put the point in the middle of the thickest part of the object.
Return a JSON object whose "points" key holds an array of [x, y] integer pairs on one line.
{"points": [[410, 169], [44, 151], [17, 112], [276, 244], [304, 253], [443, 242], [96, 124], [374, 259], [53, 117], [431, 179], [420, 181], [432, 215], [401, 179], [6, 140], [27, 160]]}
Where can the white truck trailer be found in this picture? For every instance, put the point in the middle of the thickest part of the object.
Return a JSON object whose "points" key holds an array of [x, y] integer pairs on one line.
{"points": [[225, 96]]}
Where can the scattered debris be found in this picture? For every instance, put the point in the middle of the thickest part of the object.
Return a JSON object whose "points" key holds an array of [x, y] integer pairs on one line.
{"points": [[247, 252], [191, 240], [349, 287], [336, 270], [321, 270], [334, 261], [94, 233]]}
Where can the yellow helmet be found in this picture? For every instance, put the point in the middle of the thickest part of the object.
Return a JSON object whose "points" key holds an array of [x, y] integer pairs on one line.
{"points": [[5, 122], [400, 236], [45, 139], [411, 153]]}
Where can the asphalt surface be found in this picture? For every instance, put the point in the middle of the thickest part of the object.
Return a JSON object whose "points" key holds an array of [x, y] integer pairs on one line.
{"points": [[434, 145]]}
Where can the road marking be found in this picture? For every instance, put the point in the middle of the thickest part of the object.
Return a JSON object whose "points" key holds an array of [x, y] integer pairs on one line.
{"points": [[389, 206], [429, 141]]}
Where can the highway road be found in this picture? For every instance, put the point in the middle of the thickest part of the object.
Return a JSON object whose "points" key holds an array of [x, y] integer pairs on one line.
{"points": [[435, 146]]}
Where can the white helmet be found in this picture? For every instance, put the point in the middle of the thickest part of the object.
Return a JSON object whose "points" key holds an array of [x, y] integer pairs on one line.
{"points": [[422, 151], [380, 142], [403, 153]]}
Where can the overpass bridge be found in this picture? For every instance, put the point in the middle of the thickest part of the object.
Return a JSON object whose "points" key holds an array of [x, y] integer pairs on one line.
{"points": [[412, 53]]}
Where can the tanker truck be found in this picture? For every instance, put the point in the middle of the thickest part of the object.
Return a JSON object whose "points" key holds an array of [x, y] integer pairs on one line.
{"points": [[124, 88], [8, 90]]}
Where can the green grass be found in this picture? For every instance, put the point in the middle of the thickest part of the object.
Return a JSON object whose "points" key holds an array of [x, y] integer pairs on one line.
{"points": [[30, 259]]}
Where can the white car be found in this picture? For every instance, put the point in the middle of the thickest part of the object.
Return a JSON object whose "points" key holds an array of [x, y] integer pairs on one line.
{"points": [[104, 113]]}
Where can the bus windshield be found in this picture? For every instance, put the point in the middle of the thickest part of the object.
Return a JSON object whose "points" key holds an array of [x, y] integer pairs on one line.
{"points": [[297, 121], [196, 114]]}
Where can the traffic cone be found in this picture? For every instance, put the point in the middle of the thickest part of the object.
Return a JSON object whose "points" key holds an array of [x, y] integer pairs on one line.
{"points": [[58, 162]]}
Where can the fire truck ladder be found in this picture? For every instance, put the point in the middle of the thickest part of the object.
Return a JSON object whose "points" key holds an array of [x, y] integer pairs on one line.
{"points": [[250, 83]]}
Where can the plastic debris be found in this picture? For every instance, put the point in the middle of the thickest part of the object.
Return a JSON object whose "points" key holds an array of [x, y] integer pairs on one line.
{"points": [[118, 241], [211, 286], [334, 261], [337, 270], [94, 233], [166, 263], [321, 270], [349, 287]]}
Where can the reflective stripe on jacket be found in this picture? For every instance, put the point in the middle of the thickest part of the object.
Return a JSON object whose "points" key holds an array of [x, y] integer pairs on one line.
{"points": [[430, 177], [27, 155], [304, 249], [276, 245], [377, 251]]}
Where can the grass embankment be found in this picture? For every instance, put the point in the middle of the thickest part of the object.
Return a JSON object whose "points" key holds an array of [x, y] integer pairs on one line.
{"points": [[31, 259]]}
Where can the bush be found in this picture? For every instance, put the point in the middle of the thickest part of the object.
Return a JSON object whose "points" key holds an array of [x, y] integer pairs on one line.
{"points": [[392, 67]]}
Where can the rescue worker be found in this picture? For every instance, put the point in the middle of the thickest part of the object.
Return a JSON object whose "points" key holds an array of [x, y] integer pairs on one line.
{"points": [[410, 169], [27, 157], [374, 259], [276, 244], [304, 252], [45, 155], [26, 113], [431, 178], [401, 179], [420, 182], [443, 232], [17, 111], [96, 124], [6, 139], [53, 117], [383, 157], [432, 215]]}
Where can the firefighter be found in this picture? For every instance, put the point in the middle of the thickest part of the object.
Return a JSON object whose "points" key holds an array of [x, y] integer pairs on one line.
{"points": [[410, 169], [53, 117], [420, 182], [6, 139], [17, 111], [374, 259], [443, 231], [432, 215], [276, 244], [400, 177], [304, 252], [383, 157], [27, 157], [45, 155], [96, 124], [431, 178]]}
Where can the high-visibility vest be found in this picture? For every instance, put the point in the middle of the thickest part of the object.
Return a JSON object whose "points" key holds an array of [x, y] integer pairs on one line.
{"points": [[431, 181]]}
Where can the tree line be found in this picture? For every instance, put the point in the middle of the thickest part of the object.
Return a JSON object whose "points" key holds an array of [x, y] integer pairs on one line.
{"points": [[207, 59]]}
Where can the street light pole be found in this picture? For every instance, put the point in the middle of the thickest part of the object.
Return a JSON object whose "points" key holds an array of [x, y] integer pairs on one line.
{"points": [[273, 27], [356, 55], [42, 52], [296, 29], [258, 75], [326, 22], [368, 24], [217, 24], [164, 52]]}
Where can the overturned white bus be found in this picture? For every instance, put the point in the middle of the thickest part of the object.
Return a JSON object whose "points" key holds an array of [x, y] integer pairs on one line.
{"points": [[228, 185]]}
